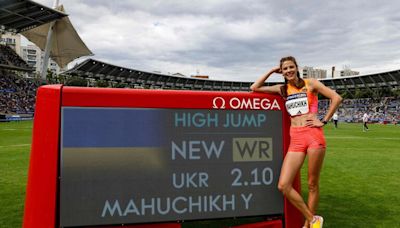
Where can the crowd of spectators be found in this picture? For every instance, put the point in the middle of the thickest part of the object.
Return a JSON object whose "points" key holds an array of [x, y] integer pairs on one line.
{"points": [[9, 57], [17, 94], [383, 110]]}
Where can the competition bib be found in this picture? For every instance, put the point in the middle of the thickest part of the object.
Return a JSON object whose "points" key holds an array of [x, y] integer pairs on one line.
{"points": [[297, 104]]}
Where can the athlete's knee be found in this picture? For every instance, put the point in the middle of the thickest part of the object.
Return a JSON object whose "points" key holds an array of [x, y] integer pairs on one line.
{"points": [[284, 187]]}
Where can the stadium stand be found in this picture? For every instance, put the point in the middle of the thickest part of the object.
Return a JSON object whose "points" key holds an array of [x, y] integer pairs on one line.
{"points": [[92, 69], [10, 59], [382, 110], [17, 94], [386, 80]]}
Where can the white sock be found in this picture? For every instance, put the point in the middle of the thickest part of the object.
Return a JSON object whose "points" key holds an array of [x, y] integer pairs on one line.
{"points": [[313, 220]]}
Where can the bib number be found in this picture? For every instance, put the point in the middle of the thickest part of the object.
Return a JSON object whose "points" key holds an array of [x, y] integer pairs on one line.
{"points": [[297, 104]]}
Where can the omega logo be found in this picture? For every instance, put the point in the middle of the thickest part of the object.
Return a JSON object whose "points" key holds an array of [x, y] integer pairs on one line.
{"points": [[246, 103], [218, 103]]}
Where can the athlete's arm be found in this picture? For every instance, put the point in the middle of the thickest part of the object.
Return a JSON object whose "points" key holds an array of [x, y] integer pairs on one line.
{"points": [[335, 98], [258, 85]]}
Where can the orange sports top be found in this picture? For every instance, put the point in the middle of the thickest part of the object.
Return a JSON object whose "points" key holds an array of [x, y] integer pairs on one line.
{"points": [[301, 101]]}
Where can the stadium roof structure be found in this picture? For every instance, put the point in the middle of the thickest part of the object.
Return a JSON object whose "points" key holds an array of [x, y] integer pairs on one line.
{"points": [[21, 15], [370, 82], [95, 69]]}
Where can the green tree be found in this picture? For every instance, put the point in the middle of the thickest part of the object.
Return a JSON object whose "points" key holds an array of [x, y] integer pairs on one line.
{"points": [[396, 93], [76, 81], [121, 85], [383, 92], [360, 93], [102, 83], [346, 95], [61, 79], [51, 77]]}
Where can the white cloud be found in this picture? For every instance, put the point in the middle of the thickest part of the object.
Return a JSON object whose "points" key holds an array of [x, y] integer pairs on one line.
{"points": [[238, 40]]}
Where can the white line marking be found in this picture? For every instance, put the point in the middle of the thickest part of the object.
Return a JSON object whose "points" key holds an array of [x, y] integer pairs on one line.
{"points": [[359, 137], [14, 129], [15, 145]]}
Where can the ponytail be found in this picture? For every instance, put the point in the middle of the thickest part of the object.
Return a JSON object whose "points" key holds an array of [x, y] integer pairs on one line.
{"points": [[284, 90]]}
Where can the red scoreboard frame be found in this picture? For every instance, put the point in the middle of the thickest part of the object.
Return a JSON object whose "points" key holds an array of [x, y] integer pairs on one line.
{"points": [[42, 195]]}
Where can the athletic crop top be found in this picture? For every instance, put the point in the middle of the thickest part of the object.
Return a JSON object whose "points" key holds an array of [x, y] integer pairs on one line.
{"points": [[301, 101]]}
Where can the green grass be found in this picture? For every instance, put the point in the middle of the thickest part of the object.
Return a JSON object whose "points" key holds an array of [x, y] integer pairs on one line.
{"points": [[359, 181], [360, 178], [15, 139]]}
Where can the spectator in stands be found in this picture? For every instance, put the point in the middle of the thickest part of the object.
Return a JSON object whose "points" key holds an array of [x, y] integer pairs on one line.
{"points": [[9, 57], [365, 119], [17, 94], [306, 133]]}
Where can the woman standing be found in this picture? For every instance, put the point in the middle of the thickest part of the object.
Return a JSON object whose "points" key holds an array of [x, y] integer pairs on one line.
{"points": [[306, 134]]}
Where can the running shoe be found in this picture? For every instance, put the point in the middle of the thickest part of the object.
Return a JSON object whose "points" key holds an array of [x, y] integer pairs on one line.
{"points": [[318, 221]]}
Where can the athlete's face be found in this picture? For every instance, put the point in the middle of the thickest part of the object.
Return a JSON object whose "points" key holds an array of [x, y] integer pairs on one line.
{"points": [[289, 70]]}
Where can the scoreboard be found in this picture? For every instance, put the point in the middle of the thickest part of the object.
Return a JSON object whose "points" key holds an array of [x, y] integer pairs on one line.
{"points": [[118, 156]]}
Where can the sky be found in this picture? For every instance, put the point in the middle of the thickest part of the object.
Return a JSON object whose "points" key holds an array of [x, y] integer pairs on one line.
{"points": [[238, 40]]}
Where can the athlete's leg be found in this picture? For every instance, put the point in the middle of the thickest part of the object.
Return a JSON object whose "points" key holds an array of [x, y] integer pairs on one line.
{"points": [[315, 161], [365, 127], [290, 167]]}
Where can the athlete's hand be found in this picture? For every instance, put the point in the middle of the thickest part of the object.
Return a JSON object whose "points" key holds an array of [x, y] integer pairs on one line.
{"points": [[313, 122], [276, 70]]}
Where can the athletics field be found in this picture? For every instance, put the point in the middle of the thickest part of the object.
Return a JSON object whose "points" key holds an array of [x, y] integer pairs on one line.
{"points": [[359, 182]]}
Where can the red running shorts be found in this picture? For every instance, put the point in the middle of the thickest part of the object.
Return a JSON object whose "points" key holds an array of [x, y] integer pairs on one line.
{"points": [[304, 138]]}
